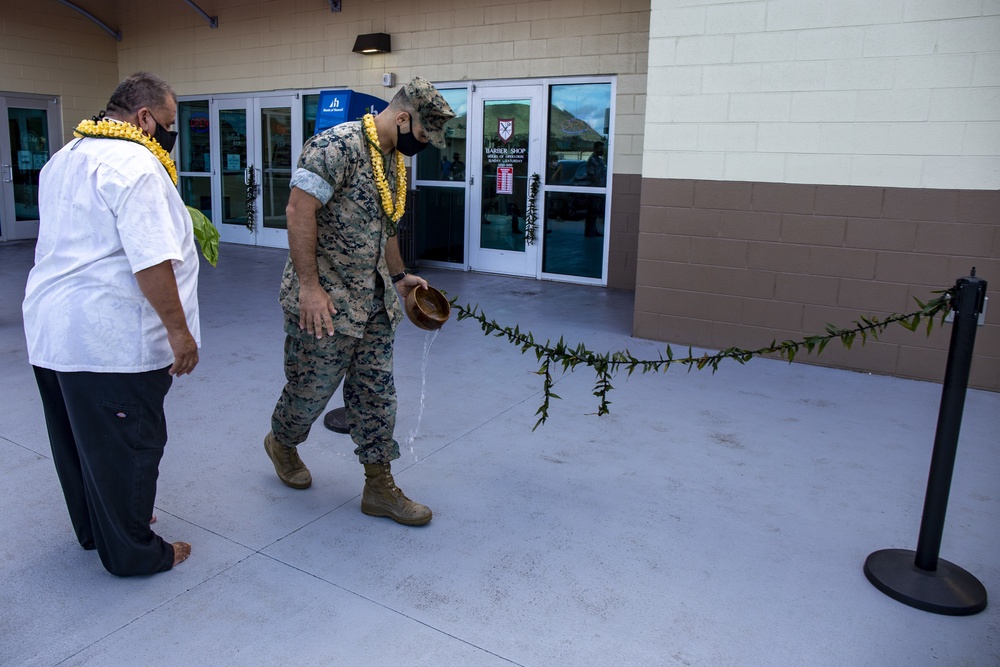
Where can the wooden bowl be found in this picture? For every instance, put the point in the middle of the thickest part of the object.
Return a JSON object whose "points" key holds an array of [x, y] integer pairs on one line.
{"points": [[427, 308]]}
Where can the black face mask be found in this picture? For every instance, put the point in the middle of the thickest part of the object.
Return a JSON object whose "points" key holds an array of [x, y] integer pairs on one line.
{"points": [[163, 136], [407, 144]]}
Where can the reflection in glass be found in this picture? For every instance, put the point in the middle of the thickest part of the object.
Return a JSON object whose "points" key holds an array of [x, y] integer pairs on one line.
{"points": [[506, 130], [196, 191], [29, 151], [434, 164], [574, 227], [195, 144], [233, 156], [441, 232], [276, 168], [310, 104], [579, 116]]}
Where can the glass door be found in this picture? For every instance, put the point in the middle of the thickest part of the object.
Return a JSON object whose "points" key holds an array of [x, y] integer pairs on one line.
{"points": [[193, 154], [26, 141], [234, 203], [439, 236], [258, 141], [505, 151], [279, 142], [577, 188]]}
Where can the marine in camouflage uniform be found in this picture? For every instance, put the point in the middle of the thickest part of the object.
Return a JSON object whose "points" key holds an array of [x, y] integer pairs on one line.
{"points": [[354, 237], [335, 167]]}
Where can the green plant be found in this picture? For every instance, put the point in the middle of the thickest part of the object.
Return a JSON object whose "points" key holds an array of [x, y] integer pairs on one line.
{"points": [[206, 234], [252, 189], [606, 365], [531, 218]]}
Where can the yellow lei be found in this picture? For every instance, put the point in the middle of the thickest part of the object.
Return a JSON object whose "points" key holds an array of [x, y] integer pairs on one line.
{"points": [[113, 129], [393, 210]]}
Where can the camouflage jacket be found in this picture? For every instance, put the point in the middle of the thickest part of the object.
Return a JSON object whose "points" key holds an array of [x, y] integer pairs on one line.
{"points": [[335, 168]]}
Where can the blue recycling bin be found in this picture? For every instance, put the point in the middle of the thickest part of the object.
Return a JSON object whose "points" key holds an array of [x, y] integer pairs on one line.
{"points": [[339, 106]]}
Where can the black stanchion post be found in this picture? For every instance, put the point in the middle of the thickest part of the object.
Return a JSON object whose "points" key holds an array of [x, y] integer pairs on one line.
{"points": [[921, 579], [336, 420]]}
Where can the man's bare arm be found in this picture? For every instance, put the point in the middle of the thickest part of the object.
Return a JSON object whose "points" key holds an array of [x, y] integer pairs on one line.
{"points": [[315, 306], [159, 286]]}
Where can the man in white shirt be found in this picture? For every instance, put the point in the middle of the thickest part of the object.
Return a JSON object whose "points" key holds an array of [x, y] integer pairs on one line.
{"points": [[110, 316]]}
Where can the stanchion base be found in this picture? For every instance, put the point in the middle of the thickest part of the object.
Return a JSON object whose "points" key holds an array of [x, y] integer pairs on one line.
{"points": [[336, 420], [949, 590]]}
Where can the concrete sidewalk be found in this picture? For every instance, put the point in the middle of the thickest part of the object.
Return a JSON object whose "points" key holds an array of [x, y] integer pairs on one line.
{"points": [[708, 520]]}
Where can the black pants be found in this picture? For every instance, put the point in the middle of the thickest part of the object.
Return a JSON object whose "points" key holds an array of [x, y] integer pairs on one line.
{"points": [[107, 433]]}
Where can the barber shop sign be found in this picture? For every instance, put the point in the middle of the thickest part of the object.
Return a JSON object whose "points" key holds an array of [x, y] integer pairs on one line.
{"points": [[505, 129]]}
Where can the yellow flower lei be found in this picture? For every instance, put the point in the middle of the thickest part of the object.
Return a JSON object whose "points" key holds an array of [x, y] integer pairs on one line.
{"points": [[393, 210], [114, 129]]}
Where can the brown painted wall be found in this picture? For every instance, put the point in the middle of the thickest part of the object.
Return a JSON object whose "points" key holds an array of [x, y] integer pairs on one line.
{"points": [[622, 246], [723, 264]]}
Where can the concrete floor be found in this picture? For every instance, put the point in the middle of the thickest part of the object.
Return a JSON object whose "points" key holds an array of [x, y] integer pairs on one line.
{"points": [[708, 520]]}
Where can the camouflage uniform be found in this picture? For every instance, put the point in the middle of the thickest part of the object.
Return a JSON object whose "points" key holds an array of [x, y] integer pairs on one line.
{"points": [[335, 167]]}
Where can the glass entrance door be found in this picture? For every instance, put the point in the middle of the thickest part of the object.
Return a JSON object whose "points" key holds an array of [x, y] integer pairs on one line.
{"points": [[26, 141], [257, 142], [232, 207], [279, 138], [505, 149]]}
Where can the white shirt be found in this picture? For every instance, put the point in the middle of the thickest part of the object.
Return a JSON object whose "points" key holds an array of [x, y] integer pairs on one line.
{"points": [[108, 210]]}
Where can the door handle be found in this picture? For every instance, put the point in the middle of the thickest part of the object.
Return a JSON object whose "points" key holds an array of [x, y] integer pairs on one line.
{"points": [[251, 176], [7, 173]]}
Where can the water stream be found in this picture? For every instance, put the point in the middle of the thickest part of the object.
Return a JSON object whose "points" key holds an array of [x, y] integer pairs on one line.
{"points": [[428, 342]]}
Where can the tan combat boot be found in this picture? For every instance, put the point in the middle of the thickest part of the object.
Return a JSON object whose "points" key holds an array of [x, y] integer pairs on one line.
{"points": [[290, 468], [382, 497]]}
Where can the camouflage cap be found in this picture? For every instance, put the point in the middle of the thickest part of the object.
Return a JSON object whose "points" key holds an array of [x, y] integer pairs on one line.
{"points": [[432, 109]]}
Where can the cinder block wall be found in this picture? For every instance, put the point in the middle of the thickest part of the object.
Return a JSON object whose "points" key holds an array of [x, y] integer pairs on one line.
{"points": [[301, 44], [48, 49], [261, 45], [812, 162], [624, 243], [725, 263]]}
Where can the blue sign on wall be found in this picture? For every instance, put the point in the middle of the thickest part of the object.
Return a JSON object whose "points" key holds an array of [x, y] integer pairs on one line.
{"points": [[340, 106]]}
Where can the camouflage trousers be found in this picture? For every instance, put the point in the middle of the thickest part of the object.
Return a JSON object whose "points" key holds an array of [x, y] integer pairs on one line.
{"points": [[314, 369]]}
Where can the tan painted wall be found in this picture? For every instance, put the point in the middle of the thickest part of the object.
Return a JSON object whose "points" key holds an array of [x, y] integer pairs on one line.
{"points": [[261, 46], [49, 49], [300, 44]]}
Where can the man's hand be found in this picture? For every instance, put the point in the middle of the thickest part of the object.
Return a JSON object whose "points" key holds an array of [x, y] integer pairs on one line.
{"points": [[408, 284], [185, 352], [315, 306], [315, 309], [159, 287]]}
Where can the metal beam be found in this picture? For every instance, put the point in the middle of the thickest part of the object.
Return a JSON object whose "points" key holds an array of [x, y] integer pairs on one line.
{"points": [[117, 34], [213, 21]]}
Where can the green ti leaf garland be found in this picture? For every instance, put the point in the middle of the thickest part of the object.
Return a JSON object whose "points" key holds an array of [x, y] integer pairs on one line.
{"points": [[606, 365]]}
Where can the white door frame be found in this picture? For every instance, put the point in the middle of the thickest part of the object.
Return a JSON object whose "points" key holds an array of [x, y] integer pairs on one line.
{"points": [[275, 178], [253, 154], [10, 227], [489, 260], [230, 233]]}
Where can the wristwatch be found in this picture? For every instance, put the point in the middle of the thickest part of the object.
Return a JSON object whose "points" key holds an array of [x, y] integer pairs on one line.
{"points": [[399, 276]]}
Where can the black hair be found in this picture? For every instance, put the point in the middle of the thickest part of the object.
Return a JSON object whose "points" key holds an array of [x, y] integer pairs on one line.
{"points": [[402, 102], [139, 90]]}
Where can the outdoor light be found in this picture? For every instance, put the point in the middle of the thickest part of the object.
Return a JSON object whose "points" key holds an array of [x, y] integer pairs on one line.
{"points": [[376, 42]]}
